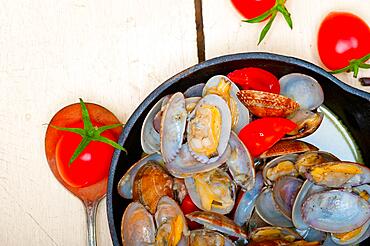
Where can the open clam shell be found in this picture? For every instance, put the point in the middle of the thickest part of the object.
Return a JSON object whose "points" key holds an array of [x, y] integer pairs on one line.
{"points": [[339, 174], [195, 90], [266, 104], [280, 166], [242, 112], [208, 237], [127, 181], [312, 235], [240, 163], [271, 233], [310, 159], [185, 165], [190, 103], [303, 89], [173, 126], [204, 188], [137, 227], [336, 211], [286, 147], [218, 222], [307, 123], [244, 210], [267, 209], [198, 123]]}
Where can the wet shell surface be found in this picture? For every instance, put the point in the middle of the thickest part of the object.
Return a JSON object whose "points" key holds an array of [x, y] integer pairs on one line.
{"points": [[173, 126], [218, 222], [303, 89], [265, 104], [151, 183], [335, 211], [200, 126], [127, 181], [286, 147], [240, 163], [307, 123], [280, 166], [208, 237], [137, 227]]}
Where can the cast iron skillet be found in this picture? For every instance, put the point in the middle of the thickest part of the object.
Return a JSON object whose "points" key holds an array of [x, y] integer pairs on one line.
{"points": [[348, 103]]}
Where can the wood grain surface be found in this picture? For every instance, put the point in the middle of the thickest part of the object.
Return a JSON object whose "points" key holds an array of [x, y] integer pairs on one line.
{"points": [[113, 53]]}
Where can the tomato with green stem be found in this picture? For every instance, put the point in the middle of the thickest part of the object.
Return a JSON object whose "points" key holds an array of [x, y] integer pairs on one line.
{"points": [[261, 134], [343, 43], [253, 8]]}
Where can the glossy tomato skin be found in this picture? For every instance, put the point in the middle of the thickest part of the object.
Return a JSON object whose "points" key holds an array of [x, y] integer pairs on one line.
{"points": [[341, 38], [91, 166], [255, 79], [252, 8], [260, 135], [187, 207]]}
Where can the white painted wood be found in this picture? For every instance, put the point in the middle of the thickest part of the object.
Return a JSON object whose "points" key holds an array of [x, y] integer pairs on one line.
{"points": [[225, 33], [112, 52]]}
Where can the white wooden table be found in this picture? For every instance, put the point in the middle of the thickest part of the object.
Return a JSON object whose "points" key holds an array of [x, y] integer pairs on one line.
{"points": [[113, 53]]}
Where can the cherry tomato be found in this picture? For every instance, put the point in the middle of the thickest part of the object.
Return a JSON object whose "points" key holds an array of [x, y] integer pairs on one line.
{"points": [[256, 79], [253, 8], [341, 38], [187, 207], [260, 135], [91, 166]]}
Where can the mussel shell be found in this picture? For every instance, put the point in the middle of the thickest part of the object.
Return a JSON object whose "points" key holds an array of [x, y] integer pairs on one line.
{"points": [[195, 196], [194, 91], [266, 104], [150, 138], [208, 237], [336, 211], [173, 126], [185, 165], [137, 226], [274, 162], [222, 106], [284, 192], [150, 184], [267, 209], [339, 180], [245, 207], [303, 89], [218, 222], [240, 163], [308, 188], [243, 112], [286, 147], [127, 181]]}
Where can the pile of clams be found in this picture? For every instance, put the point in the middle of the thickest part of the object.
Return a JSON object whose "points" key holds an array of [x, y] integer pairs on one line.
{"points": [[292, 194]]}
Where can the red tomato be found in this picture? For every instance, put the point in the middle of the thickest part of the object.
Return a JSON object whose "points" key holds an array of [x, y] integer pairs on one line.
{"points": [[341, 38], [256, 79], [260, 135], [253, 8], [91, 166], [187, 207]]}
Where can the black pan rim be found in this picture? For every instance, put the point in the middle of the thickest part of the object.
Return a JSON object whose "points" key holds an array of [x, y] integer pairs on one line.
{"points": [[221, 59]]}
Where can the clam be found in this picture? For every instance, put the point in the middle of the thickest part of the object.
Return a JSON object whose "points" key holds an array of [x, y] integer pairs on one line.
{"points": [[307, 123], [185, 165], [173, 126], [204, 237], [280, 166], [244, 209], [224, 87], [270, 233], [312, 235], [284, 192], [179, 189], [194, 91], [310, 159], [137, 227], [286, 147], [208, 130], [212, 191], [190, 103], [336, 211], [127, 181], [255, 222], [339, 174], [150, 184], [266, 104], [218, 222], [267, 209], [240, 163], [303, 89]]}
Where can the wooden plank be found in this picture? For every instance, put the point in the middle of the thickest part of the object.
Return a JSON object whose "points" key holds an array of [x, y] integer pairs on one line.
{"points": [[225, 33], [110, 52]]}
